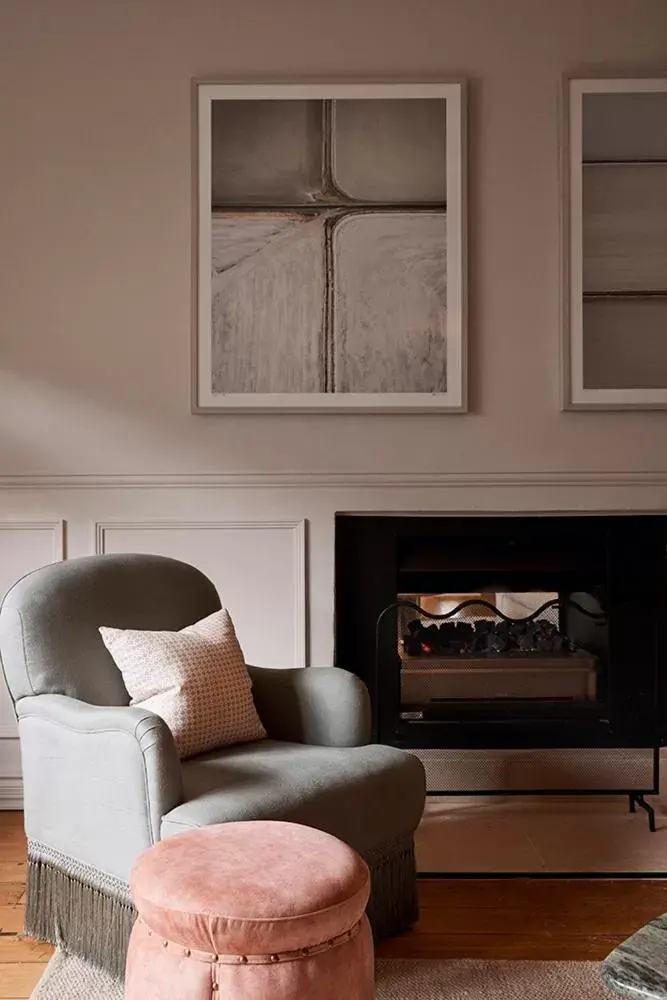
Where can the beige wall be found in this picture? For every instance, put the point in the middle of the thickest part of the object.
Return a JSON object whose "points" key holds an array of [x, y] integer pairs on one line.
{"points": [[95, 299], [95, 234]]}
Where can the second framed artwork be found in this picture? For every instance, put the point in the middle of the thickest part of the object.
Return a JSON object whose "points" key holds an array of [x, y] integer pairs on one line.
{"points": [[615, 250], [330, 248]]}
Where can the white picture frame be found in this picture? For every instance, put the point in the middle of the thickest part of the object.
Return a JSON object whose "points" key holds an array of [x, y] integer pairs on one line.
{"points": [[614, 217], [230, 289]]}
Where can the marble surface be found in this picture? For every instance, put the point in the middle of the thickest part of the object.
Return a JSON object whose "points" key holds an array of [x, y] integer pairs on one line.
{"points": [[638, 967]]}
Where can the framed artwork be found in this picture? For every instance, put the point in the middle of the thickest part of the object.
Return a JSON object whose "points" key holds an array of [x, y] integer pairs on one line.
{"points": [[330, 248], [615, 246]]}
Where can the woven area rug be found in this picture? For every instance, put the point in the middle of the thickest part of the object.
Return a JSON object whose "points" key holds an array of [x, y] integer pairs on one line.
{"points": [[69, 978]]}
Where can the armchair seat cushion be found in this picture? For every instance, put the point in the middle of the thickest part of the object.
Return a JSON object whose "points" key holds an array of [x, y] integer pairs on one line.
{"points": [[366, 796]]}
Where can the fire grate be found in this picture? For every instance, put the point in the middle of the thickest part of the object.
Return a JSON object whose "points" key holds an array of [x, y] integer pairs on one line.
{"points": [[476, 651]]}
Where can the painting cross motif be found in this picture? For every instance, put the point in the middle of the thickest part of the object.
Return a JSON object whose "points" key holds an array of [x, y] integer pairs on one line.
{"points": [[330, 251]]}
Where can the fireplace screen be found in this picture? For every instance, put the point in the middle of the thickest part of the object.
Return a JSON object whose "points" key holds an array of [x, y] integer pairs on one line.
{"points": [[487, 646]]}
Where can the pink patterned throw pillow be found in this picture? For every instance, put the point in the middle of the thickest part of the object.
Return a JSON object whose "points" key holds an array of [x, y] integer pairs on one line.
{"points": [[195, 679]]}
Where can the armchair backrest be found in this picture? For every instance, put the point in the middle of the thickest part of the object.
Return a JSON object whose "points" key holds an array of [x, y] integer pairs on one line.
{"points": [[49, 620]]}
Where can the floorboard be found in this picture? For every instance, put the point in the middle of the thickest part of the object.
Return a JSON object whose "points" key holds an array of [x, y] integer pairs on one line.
{"points": [[18, 980]]}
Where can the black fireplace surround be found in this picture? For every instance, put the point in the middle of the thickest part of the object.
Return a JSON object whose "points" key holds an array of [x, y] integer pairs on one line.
{"points": [[606, 577]]}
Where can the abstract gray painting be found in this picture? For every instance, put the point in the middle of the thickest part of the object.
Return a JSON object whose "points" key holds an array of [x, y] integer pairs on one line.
{"points": [[328, 246], [624, 236]]}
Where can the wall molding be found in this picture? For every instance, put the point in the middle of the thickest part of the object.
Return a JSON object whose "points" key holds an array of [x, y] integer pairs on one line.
{"points": [[340, 480], [298, 529], [11, 793], [57, 530], [56, 527]]}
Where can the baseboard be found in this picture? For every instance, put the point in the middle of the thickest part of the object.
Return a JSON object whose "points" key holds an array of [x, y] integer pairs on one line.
{"points": [[11, 793]]}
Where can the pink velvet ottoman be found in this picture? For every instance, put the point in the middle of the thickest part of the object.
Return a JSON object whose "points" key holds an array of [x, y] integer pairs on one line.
{"points": [[250, 911]]}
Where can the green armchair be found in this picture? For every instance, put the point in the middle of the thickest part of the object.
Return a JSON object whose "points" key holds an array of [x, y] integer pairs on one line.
{"points": [[102, 780]]}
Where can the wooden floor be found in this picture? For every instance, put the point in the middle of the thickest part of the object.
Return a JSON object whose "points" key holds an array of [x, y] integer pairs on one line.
{"points": [[21, 962], [461, 918]]}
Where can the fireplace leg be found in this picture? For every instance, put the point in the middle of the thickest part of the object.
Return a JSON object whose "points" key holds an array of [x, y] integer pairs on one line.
{"points": [[637, 799]]}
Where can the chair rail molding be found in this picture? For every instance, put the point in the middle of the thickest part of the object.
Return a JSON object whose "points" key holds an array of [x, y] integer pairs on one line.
{"points": [[102, 530], [341, 480]]}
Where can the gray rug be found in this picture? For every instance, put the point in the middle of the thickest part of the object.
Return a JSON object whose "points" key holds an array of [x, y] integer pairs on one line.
{"points": [[69, 978]]}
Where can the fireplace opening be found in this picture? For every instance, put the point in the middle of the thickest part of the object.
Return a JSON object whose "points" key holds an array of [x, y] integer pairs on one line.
{"points": [[498, 645], [517, 633]]}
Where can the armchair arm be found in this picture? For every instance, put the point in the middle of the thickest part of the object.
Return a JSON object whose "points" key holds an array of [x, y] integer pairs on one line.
{"points": [[322, 706], [97, 779]]}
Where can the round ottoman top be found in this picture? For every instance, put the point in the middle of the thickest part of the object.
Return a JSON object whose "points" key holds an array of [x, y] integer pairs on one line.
{"points": [[253, 888]]}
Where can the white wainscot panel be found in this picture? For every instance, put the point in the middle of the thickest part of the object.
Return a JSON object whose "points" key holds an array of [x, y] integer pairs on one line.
{"points": [[258, 568], [24, 546]]}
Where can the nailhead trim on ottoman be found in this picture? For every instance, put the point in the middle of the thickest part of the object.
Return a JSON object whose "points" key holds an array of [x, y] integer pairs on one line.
{"points": [[250, 911], [283, 956]]}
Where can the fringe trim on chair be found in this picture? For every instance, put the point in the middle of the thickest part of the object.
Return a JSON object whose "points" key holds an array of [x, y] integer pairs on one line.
{"points": [[64, 909], [83, 920], [393, 905]]}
